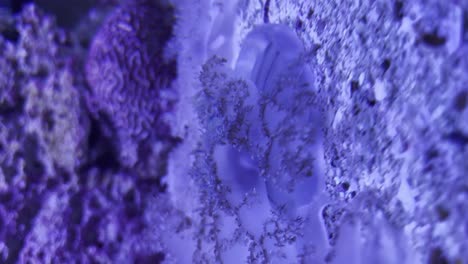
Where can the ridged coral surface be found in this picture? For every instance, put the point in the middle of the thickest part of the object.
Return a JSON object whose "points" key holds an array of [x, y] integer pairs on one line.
{"points": [[130, 75]]}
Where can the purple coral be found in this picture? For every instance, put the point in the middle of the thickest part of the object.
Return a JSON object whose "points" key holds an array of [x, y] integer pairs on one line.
{"points": [[130, 76]]}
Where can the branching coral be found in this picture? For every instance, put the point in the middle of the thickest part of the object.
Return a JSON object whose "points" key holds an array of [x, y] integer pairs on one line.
{"points": [[255, 114], [262, 146]]}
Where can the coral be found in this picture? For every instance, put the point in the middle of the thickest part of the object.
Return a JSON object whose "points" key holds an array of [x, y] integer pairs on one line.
{"points": [[130, 75], [257, 116], [7, 92], [51, 179], [59, 118], [261, 148]]}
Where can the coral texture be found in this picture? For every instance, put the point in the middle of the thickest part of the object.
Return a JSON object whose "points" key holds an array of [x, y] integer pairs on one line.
{"points": [[131, 76]]}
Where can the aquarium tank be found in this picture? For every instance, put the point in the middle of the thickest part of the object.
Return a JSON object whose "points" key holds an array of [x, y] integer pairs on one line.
{"points": [[234, 131]]}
